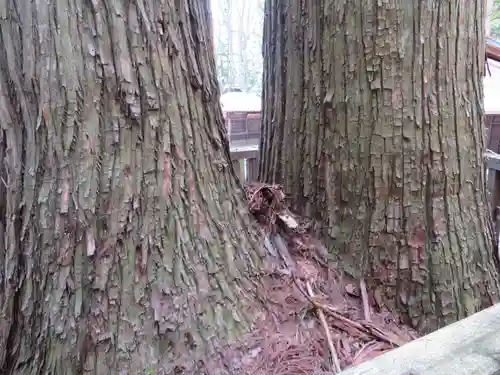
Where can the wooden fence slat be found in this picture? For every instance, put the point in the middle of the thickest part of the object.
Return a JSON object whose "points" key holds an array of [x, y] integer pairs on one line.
{"points": [[245, 158], [253, 169], [242, 170]]}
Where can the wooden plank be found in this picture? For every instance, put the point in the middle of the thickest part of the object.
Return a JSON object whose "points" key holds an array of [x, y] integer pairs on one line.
{"points": [[492, 160], [492, 49], [253, 169], [494, 186], [246, 144], [490, 182], [243, 177], [244, 154], [470, 346]]}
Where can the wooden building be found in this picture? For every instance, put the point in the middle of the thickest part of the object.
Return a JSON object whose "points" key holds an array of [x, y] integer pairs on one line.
{"points": [[492, 121], [242, 113]]}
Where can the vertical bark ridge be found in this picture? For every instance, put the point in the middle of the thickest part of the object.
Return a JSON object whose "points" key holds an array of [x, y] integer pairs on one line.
{"points": [[293, 54], [275, 55], [397, 177], [127, 244]]}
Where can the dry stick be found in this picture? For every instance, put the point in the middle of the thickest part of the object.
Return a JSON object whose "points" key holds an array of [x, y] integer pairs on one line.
{"points": [[321, 315], [371, 331], [320, 307], [364, 298]]}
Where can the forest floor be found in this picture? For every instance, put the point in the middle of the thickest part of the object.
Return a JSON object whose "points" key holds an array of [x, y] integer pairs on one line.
{"points": [[321, 322]]}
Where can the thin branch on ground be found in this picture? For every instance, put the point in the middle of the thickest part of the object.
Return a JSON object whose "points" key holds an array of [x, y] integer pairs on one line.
{"points": [[333, 352], [364, 298]]}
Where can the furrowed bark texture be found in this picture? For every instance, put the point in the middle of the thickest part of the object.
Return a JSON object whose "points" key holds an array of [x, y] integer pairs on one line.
{"points": [[373, 122], [127, 246]]}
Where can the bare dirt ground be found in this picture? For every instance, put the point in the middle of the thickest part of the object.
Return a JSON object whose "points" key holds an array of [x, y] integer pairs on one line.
{"points": [[318, 322]]}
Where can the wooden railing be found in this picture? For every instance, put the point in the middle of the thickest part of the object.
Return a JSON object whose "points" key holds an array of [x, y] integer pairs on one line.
{"points": [[469, 346], [243, 129], [245, 162]]}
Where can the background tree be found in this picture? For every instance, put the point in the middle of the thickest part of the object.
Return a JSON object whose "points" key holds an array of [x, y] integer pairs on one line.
{"points": [[223, 36], [126, 246], [373, 123], [238, 40]]}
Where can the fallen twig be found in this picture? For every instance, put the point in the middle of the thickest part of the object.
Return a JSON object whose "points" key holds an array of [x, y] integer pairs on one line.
{"points": [[365, 327], [364, 298], [333, 352]]}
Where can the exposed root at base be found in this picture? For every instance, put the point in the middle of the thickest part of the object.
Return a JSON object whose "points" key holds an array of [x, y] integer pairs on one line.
{"points": [[317, 323]]}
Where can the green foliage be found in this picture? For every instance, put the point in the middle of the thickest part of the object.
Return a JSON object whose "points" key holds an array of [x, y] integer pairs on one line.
{"points": [[495, 19]]}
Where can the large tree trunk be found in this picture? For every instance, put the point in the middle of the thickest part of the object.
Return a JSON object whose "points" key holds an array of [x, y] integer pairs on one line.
{"points": [[373, 122], [127, 246]]}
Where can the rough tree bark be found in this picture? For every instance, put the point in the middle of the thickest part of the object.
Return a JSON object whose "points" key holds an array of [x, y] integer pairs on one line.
{"points": [[373, 123], [127, 246]]}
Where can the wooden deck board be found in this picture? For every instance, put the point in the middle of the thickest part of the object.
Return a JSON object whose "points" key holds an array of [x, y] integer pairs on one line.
{"points": [[244, 143], [468, 347]]}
